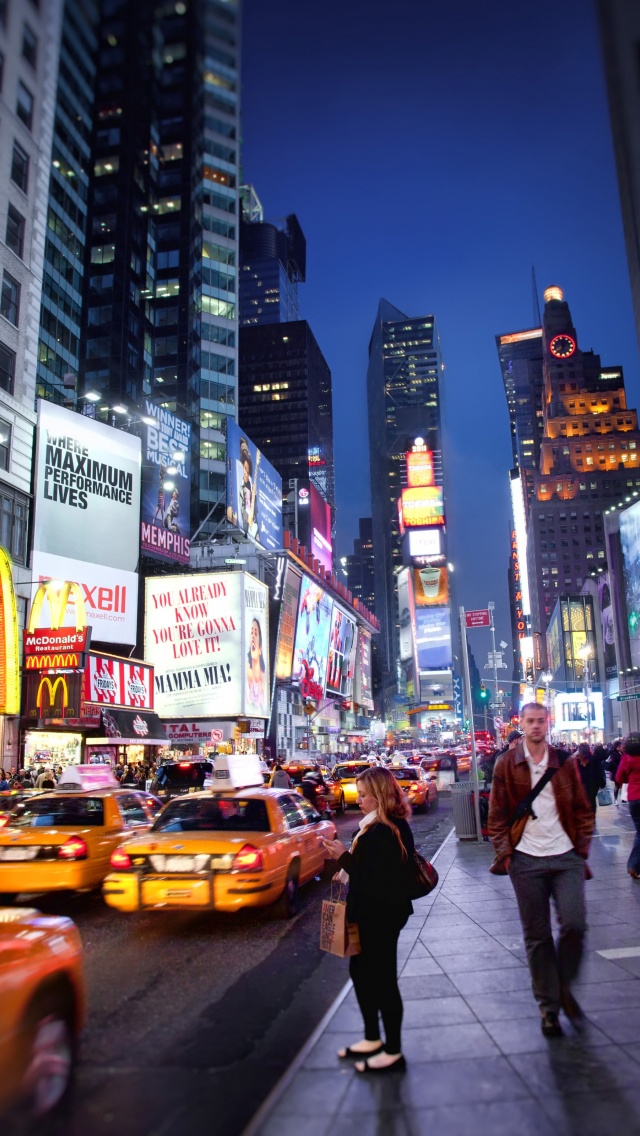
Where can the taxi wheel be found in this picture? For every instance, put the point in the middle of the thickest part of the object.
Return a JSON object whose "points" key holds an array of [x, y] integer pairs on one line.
{"points": [[287, 905], [48, 1075], [341, 806]]}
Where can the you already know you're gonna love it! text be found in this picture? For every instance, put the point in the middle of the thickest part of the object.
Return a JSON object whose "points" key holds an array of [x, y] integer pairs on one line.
{"points": [[207, 636]]}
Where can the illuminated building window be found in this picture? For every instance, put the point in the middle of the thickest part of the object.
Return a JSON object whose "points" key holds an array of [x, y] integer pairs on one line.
{"points": [[107, 166]]}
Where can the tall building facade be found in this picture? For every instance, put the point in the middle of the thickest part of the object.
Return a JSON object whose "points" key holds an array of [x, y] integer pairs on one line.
{"points": [[404, 403], [285, 402], [520, 355], [360, 565], [589, 456], [273, 262], [620, 36], [160, 298]]}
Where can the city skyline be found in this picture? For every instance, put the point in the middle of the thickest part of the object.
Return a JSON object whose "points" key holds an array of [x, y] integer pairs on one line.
{"points": [[436, 239]]}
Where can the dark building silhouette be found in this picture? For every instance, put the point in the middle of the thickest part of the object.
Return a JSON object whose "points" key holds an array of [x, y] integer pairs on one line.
{"points": [[273, 261], [359, 565]]}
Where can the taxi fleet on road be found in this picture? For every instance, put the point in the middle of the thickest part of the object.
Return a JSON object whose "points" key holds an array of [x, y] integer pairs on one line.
{"points": [[239, 845]]}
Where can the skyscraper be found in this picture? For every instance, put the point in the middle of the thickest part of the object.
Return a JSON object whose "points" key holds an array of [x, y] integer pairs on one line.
{"points": [[273, 261], [360, 565], [404, 403], [520, 355]]}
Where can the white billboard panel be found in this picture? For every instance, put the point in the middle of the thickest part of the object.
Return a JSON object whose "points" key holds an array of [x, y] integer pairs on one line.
{"points": [[425, 542], [110, 596]]}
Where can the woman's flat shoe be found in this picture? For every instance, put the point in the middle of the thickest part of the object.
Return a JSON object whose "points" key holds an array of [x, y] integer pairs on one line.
{"points": [[634, 875], [395, 1067], [347, 1054]]}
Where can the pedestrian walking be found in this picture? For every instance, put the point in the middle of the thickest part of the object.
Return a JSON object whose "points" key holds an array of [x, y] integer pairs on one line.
{"points": [[629, 773], [592, 774], [281, 779], [613, 762], [540, 823], [376, 868]]}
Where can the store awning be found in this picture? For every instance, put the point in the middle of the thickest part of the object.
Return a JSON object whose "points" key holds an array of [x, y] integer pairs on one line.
{"points": [[131, 727]]}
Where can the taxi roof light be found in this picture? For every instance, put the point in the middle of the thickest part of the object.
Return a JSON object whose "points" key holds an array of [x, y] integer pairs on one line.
{"points": [[83, 777], [74, 848], [248, 859]]}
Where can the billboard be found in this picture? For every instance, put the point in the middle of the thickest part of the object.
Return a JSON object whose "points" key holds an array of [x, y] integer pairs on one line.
{"points": [[109, 681], [311, 651], [406, 614], [431, 586], [630, 544], [433, 638], [608, 630], [363, 689], [421, 507], [571, 712], [87, 516], [341, 654], [314, 523], [254, 490], [420, 468], [425, 542], [166, 485], [206, 636], [287, 624]]}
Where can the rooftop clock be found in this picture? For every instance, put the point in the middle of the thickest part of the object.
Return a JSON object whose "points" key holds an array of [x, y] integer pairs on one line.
{"points": [[562, 346]]}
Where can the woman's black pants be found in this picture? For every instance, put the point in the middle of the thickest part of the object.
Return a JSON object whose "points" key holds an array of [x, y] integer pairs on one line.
{"points": [[374, 973]]}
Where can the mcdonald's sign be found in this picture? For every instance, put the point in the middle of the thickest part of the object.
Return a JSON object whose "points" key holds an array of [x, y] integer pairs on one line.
{"points": [[53, 662], [56, 644], [9, 657], [52, 696], [58, 595]]}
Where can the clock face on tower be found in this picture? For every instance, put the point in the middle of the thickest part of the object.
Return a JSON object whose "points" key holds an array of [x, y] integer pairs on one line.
{"points": [[562, 346]]}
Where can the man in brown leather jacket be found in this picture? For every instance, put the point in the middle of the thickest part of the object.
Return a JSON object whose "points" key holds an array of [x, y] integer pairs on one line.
{"points": [[545, 856]]}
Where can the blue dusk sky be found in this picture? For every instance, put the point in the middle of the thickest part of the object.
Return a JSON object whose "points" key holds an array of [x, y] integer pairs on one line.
{"points": [[433, 152]]}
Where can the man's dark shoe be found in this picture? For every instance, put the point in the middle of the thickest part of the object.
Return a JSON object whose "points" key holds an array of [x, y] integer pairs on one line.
{"points": [[573, 1010], [550, 1025]]}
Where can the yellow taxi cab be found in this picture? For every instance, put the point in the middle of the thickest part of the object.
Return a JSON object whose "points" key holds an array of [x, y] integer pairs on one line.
{"points": [[346, 773], [414, 786], [62, 839], [42, 1008], [240, 845], [333, 789]]}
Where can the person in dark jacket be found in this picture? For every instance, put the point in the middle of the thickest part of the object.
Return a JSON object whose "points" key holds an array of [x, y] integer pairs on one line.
{"points": [[377, 868], [629, 772], [592, 774], [613, 761]]}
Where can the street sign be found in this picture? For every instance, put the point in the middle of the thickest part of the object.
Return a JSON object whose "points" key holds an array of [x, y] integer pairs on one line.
{"points": [[479, 618], [498, 723], [628, 697]]}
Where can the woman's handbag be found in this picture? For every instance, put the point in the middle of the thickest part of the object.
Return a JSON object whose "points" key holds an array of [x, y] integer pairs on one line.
{"points": [[337, 936], [605, 797], [423, 877]]}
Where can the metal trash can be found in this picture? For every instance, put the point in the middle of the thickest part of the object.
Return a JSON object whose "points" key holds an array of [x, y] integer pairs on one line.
{"points": [[464, 817]]}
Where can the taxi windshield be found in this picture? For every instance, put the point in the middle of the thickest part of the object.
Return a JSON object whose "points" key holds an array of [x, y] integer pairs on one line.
{"points": [[218, 814], [349, 772], [58, 812]]}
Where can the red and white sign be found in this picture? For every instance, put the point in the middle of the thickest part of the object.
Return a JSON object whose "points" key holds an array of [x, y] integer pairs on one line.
{"points": [[46, 640], [479, 618], [114, 682]]}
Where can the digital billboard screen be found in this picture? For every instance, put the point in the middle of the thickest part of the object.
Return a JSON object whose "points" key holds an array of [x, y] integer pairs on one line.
{"points": [[421, 507], [406, 614], [311, 651], [431, 586], [425, 542], [363, 684], [420, 468], [630, 544], [314, 523], [287, 623], [254, 490], [166, 485], [433, 637], [341, 644]]}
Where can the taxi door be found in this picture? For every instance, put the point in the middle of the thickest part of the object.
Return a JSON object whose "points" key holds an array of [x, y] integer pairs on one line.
{"points": [[312, 836], [301, 837], [111, 836]]}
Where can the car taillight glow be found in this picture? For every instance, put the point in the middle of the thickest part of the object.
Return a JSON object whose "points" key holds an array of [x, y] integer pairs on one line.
{"points": [[73, 849], [120, 859], [4, 819], [248, 859], [184, 765]]}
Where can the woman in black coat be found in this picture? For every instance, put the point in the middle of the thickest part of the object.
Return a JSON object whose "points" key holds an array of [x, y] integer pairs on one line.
{"points": [[377, 868]]}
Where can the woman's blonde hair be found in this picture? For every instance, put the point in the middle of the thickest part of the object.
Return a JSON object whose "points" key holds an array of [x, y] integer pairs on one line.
{"points": [[391, 801]]}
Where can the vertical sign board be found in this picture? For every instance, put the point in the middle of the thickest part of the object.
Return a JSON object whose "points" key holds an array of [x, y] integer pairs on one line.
{"points": [[341, 642], [363, 692], [254, 490], [311, 652], [166, 485], [87, 516], [287, 626]]}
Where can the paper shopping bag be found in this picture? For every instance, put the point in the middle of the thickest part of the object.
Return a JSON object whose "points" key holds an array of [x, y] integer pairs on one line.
{"points": [[337, 936]]}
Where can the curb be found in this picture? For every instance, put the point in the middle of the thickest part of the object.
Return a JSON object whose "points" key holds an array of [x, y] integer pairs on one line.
{"points": [[281, 1086]]}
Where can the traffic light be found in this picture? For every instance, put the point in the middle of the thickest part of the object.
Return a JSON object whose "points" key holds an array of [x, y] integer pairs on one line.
{"points": [[484, 693]]}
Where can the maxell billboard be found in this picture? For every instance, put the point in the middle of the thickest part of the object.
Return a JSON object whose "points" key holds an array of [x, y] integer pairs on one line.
{"points": [[87, 516], [166, 480]]}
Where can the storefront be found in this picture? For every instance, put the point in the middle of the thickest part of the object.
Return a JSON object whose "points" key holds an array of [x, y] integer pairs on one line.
{"points": [[126, 737], [213, 735]]}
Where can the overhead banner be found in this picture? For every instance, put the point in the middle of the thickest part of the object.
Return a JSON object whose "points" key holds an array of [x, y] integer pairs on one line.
{"points": [[87, 515], [311, 652], [254, 490], [206, 636], [166, 485], [341, 654]]}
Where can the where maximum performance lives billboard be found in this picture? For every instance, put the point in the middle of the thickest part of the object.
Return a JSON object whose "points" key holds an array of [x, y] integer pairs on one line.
{"points": [[87, 516], [254, 490], [166, 486]]}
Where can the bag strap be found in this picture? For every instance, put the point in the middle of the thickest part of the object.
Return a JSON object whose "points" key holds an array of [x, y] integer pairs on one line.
{"points": [[523, 808]]}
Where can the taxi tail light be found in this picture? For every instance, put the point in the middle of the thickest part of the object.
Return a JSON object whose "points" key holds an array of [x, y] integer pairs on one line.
{"points": [[4, 819], [73, 849], [120, 859], [248, 859]]}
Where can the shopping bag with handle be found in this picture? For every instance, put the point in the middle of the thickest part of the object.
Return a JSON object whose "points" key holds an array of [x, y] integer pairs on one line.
{"points": [[337, 935]]}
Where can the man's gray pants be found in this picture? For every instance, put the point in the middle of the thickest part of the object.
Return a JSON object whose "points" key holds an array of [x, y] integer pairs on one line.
{"points": [[536, 879]]}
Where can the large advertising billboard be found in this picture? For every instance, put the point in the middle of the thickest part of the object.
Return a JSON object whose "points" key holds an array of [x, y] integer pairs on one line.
{"points": [[431, 586], [87, 516], [630, 544], [420, 467], [425, 542], [608, 630], [363, 689], [109, 681], [254, 490], [341, 654], [166, 485], [424, 506], [206, 636], [287, 624], [433, 638], [314, 523], [311, 652], [406, 614]]}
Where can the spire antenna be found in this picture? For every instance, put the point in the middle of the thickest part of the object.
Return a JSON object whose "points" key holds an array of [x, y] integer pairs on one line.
{"points": [[536, 301]]}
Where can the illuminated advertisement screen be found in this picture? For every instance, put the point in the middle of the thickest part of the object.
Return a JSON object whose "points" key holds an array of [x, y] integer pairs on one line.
{"points": [[572, 713], [287, 624], [321, 546], [425, 542], [419, 468], [406, 614], [431, 586], [422, 507], [630, 544], [341, 643], [363, 687], [311, 651], [166, 485], [433, 637], [254, 490]]}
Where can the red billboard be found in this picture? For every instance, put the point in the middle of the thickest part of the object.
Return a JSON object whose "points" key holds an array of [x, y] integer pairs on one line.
{"points": [[420, 468]]}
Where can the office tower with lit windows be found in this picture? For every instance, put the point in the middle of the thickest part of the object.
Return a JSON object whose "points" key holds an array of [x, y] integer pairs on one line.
{"points": [[589, 459], [273, 259], [404, 403], [520, 355], [285, 402], [359, 566], [160, 295]]}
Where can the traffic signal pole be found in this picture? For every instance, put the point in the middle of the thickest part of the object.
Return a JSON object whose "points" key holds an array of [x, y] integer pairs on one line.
{"points": [[469, 702]]}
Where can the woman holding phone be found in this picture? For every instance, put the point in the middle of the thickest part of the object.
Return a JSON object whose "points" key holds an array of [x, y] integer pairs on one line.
{"points": [[377, 869]]}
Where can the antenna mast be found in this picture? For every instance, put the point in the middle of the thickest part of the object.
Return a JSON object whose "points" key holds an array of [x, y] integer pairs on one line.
{"points": [[536, 302]]}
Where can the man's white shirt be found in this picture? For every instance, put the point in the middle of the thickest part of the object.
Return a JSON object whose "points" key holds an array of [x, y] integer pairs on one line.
{"points": [[544, 836]]}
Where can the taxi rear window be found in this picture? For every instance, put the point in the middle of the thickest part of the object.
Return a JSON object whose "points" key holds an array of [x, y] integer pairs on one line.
{"points": [[348, 772], [297, 772], [406, 774], [184, 775], [223, 814], [43, 812]]}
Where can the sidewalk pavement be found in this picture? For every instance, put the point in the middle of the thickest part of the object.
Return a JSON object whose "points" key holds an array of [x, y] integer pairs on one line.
{"points": [[477, 1060]]}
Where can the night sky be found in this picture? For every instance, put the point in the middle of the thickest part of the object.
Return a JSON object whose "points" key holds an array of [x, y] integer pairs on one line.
{"points": [[433, 152]]}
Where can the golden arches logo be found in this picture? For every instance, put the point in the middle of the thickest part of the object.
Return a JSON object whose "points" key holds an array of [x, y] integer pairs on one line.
{"points": [[51, 662], [52, 686], [58, 593]]}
